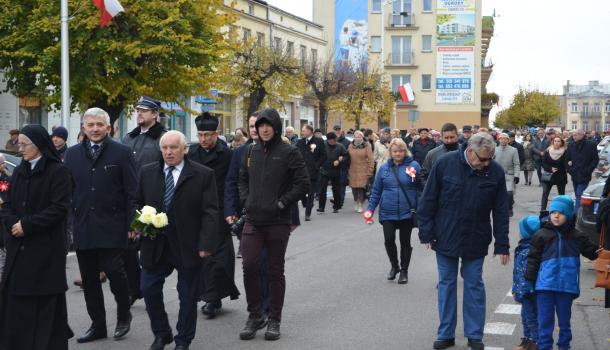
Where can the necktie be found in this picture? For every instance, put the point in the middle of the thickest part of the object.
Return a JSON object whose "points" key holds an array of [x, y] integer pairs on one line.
{"points": [[94, 150], [169, 187]]}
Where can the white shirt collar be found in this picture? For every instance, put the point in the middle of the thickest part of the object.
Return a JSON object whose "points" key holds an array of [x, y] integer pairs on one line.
{"points": [[178, 167], [33, 162]]}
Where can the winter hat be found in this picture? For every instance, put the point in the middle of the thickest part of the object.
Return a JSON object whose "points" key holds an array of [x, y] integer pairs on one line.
{"points": [[60, 131], [528, 225], [563, 204]]}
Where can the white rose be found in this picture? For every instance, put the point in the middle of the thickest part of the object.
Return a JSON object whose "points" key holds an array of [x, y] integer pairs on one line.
{"points": [[149, 209], [160, 220], [146, 218]]}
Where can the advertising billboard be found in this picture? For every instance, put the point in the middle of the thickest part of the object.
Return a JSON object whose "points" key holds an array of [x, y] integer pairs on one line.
{"points": [[351, 33]]}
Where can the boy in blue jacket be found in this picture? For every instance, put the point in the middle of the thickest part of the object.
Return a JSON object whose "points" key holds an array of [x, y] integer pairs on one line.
{"points": [[523, 290], [554, 264]]}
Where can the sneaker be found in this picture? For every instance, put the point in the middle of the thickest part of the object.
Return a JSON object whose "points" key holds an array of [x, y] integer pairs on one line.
{"points": [[273, 330], [252, 326], [308, 218], [443, 344], [320, 210], [335, 211], [356, 207], [476, 344], [524, 343]]}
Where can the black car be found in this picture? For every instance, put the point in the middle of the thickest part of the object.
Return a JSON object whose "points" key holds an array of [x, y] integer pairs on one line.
{"points": [[589, 205], [12, 160]]}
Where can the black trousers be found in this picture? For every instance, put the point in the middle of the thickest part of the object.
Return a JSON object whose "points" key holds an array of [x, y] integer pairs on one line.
{"points": [[546, 190], [112, 262], [335, 182], [133, 269], [311, 196], [389, 233]]}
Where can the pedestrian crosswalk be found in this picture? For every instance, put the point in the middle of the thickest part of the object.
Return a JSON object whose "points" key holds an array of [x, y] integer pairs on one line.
{"points": [[506, 326]]}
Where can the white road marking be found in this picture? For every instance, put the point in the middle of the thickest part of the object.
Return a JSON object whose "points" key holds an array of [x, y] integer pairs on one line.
{"points": [[509, 294], [71, 254], [511, 309], [488, 348], [500, 328]]}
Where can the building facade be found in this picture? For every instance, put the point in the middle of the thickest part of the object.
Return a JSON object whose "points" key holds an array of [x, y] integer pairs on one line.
{"points": [[435, 45], [586, 107]]}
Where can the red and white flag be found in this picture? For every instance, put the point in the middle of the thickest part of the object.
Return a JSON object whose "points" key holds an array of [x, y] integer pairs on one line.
{"points": [[108, 9], [406, 92]]}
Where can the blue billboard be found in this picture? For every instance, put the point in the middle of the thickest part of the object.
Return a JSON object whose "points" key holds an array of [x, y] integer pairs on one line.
{"points": [[351, 33]]}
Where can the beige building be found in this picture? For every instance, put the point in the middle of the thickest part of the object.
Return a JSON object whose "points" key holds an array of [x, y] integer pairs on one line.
{"points": [[586, 107], [404, 45]]}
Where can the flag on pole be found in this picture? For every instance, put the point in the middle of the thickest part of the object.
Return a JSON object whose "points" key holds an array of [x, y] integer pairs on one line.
{"points": [[108, 9], [406, 92]]}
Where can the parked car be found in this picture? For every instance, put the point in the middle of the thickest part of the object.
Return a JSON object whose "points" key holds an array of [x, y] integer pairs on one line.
{"points": [[603, 164], [589, 205], [12, 160], [603, 143]]}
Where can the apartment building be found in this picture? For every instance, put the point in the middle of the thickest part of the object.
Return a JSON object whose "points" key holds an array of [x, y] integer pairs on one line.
{"points": [[586, 107], [435, 45]]}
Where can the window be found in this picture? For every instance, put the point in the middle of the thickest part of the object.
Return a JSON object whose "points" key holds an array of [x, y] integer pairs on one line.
{"points": [[375, 44], [314, 55], [401, 13], [260, 39], [277, 42], [426, 82], [597, 127], [608, 106], [290, 48], [303, 54], [251, 9], [398, 80], [427, 5], [574, 125], [401, 50], [607, 126], [376, 5], [574, 107], [585, 108], [585, 126], [596, 107], [426, 43], [246, 34]]}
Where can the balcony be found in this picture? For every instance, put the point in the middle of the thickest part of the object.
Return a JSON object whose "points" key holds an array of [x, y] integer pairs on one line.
{"points": [[400, 21], [587, 114], [400, 60], [488, 27]]}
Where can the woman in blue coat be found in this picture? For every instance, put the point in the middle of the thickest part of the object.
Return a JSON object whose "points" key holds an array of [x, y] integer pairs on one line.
{"points": [[395, 192]]}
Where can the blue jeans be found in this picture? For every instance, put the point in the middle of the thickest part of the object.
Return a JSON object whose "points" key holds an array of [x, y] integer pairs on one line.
{"points": [[579, 188], [529, 317], [474, 297], [550, 303], [188, 291]]}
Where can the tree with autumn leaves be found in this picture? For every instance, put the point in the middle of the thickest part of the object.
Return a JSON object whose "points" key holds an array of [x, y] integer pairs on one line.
{"points": [[529, 108], [166, 49]]}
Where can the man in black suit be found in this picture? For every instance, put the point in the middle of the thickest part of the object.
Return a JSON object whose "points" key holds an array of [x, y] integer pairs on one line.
{"points": [[218, 278], [104, 179], [314, 154], [186, 192]]}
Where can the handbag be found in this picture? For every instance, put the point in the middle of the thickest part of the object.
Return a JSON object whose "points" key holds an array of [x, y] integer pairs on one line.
{"points": [[602, 264], [546, 176], [404, 191]]}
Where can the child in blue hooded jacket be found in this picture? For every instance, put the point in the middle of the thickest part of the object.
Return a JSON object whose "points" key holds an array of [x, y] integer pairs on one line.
{"points": [[554, 265], [523, 290]]}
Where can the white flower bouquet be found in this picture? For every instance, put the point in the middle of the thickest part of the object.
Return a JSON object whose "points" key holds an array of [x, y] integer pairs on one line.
{"points": [[148, 222]]}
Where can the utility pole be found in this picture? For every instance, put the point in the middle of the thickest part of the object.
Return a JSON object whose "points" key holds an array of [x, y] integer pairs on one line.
{"points": [[65, 66]]}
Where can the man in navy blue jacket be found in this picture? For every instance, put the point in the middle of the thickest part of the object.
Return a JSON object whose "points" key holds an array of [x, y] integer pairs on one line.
{"points": [[103, 203], [464, 189], [582, 159]]}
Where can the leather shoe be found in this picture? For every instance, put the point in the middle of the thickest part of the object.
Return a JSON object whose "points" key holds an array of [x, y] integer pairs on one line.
{"points": [[211, 309], [392, 274], [476, 344], [93, 334], [443, 344], [122, 327], [252, 326], [181, 347], [403, 278], [160, 342]]}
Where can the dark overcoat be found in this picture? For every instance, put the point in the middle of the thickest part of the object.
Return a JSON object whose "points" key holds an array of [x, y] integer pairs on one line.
{"points": [[195, 209], [104, 192], [36, 262], [314, 155]]}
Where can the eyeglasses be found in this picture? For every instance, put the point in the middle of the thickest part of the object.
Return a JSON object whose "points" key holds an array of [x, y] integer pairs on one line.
{"points": [[482, 160], [23, 145]]}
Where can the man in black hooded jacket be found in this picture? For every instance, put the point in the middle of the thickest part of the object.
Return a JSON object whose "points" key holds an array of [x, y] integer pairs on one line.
{"points": [[273, 177]]}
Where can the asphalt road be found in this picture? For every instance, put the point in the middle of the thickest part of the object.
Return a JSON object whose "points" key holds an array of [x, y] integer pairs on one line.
{"points": [[338, 298]]}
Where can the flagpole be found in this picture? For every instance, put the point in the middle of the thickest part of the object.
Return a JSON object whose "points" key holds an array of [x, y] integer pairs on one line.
{"points": [[65, 66]]}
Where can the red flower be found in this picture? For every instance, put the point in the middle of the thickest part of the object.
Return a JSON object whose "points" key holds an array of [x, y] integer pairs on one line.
{"points": [[3, 186]]}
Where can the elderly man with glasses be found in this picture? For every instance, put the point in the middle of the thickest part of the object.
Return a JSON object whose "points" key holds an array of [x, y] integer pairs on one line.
{"points": [[464, 191]]}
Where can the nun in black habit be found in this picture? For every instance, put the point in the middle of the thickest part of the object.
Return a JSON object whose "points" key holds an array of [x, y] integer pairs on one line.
{"points": [[33, 313]]}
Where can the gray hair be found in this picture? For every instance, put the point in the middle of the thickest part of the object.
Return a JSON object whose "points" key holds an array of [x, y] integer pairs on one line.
{"points": [[174, 133], [481, 141], [289, 128], [578, 131], [97, 113]]}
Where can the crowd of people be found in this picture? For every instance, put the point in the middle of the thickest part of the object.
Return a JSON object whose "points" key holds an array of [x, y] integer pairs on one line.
{"points": [[457, 188]]}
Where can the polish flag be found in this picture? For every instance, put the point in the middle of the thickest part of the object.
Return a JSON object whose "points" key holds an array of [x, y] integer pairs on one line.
{"points": [[406, 92], [108, 9]]}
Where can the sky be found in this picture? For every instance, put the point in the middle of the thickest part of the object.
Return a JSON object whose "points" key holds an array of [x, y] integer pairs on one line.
{"points": [[537, 43]]}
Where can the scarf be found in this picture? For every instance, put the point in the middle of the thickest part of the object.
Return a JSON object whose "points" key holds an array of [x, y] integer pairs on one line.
{"points": [[556, 153], [360, 145]]}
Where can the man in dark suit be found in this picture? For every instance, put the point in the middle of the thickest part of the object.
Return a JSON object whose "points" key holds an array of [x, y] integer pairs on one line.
{"points": [[186, 192], [104, 179], [218, 279], [314, 153]]}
